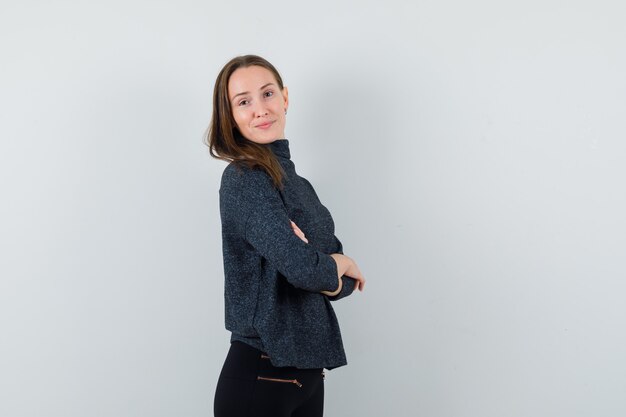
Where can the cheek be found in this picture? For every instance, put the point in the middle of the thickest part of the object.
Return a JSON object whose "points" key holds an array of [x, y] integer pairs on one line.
{"points": [[240, 118]]}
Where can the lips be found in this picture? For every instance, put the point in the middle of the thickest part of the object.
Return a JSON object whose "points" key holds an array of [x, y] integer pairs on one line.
{"points": [[265, 125]]}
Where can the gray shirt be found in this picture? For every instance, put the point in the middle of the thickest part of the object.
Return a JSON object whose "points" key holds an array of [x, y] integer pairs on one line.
{"points": [[273, 279]]}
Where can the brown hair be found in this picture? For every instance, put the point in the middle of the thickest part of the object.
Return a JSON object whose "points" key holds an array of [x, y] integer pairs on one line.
{"points": [[223, 138]]}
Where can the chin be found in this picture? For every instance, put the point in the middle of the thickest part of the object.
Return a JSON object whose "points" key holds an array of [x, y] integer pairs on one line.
{"points": [[264, 140]]}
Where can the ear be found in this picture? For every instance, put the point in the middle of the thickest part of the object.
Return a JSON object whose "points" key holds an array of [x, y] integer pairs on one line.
{"points": [[286, 97]]}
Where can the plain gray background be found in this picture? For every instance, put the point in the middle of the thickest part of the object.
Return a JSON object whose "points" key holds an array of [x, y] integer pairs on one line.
{"points": [[471, 153]]}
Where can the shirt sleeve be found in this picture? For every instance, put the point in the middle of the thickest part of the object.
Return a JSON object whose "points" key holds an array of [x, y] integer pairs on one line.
{"points": [[267, 229], [348, 283]]}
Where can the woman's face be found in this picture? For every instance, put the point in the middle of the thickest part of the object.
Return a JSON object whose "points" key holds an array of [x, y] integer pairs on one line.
{"points": [[258, 104]]}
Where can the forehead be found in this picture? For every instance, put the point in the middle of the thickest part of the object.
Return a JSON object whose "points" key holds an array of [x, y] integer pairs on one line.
{"points": [[249, 79]]}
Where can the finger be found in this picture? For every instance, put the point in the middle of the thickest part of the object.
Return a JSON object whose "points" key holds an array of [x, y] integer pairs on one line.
{"points": [[301, 235]]}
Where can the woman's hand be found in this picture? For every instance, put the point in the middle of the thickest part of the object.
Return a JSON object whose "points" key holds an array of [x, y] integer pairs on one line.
{"points": [[298, 232], [347, 266]]}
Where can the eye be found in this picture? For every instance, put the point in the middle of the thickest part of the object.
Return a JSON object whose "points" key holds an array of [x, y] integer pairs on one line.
{"points": [[268, 93], [242, 103]]}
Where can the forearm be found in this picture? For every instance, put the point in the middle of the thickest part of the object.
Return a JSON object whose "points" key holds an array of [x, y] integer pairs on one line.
{"points": [[343, 264], [337, 291]]}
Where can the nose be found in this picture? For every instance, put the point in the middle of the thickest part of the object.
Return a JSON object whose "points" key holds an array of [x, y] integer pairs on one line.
{"points": [[260, 110]]}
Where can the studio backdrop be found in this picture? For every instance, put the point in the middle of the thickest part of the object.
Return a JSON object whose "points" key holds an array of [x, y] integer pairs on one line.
{"points": [[471, 154]]}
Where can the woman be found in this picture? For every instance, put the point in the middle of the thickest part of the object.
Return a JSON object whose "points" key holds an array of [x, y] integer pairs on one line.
{"points": [[282, 262]]}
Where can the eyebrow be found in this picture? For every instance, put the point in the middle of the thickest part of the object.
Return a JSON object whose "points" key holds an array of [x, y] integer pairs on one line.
{"points": [[247, 92]]}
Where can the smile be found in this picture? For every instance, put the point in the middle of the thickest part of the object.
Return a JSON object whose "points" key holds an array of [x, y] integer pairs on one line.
{"points": [[265, 125]]}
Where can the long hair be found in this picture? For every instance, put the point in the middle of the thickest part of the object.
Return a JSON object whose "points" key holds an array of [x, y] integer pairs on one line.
{"points": [[223, 138]]}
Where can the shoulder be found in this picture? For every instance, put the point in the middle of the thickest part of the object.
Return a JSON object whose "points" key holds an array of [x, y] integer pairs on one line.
{"points": [[241, 177]]}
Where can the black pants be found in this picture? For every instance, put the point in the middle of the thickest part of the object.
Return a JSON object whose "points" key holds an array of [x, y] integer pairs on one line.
{"points": [[250, 386]]}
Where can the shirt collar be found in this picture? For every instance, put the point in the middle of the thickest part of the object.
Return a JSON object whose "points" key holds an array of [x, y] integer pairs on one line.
{"points": [[280, 147]]}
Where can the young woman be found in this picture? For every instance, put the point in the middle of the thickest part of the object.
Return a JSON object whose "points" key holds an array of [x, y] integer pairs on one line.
{"points": [[283, 263]]}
